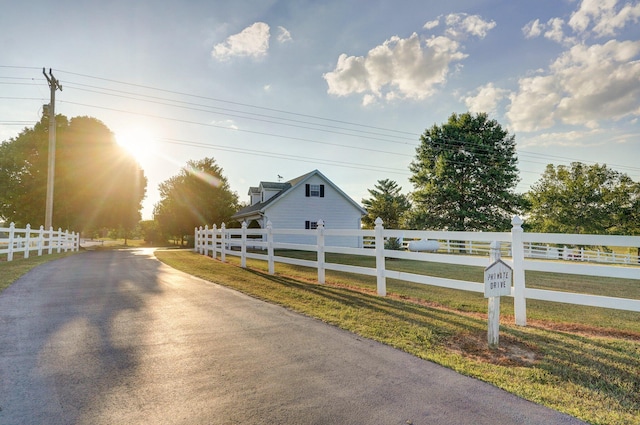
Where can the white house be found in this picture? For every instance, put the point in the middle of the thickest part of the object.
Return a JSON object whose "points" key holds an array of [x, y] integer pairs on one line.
{"points": [[299, 204]]}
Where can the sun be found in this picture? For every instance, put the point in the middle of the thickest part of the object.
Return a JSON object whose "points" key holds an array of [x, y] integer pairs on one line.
{"points": [[138, 141]]}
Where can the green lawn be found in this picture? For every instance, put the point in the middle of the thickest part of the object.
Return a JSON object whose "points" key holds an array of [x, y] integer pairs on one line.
{"points": [[578, 360]]}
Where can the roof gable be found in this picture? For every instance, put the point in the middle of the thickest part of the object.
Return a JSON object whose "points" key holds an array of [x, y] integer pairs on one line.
{"points": [[288, 187]]}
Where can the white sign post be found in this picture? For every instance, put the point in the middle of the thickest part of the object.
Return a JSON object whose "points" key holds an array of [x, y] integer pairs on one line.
{"points": [[497, 282]]}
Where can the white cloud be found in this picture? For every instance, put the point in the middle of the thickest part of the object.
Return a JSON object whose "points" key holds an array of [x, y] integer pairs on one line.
{"points": [[587, 84], [431, 24], [603, 17], [401, 68], [230, 124], [532, 107], [461, 24], [584, 85], [252, 41], [553, 30], [486, 99], [573, 138], [283, 35], [412, 67], [533, 29]]}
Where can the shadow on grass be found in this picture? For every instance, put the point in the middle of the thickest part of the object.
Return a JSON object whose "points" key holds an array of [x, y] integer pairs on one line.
{"points": [[607, 366]]}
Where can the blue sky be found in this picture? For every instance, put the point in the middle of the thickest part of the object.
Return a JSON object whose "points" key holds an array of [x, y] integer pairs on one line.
{"points": [[273, 88]]}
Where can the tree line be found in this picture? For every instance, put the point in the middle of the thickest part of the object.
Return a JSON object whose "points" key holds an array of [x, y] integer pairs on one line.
{"points": [[97, 184], [464, 176]]}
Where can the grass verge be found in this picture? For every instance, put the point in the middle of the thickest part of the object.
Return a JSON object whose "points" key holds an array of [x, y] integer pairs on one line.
{"points": [[588, 371]]}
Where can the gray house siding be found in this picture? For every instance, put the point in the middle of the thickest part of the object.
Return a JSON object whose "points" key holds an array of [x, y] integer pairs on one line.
{"points": [[301, 203], [333, 209]]}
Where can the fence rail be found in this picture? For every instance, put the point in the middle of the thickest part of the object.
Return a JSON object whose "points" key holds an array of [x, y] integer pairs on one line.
{"points": [[25, 241], [519, 255]]}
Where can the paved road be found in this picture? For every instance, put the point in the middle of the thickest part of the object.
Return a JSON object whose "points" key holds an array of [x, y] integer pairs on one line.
{"points": [[119, 338]]}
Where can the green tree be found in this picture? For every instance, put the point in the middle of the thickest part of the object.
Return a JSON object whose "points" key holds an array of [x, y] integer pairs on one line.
{"points": [[199, 195], [97, 183], [584, 198], [464, 176], [386, 202], [150, 232]]}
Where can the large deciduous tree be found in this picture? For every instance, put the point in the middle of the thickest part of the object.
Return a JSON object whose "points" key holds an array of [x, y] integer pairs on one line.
{"points": [[97, 183], [386, 202], [584, 198], [198, 195], [464, 176]]}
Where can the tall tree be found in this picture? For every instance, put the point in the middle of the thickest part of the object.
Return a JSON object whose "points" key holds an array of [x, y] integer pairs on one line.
{"points": [[584, 198], [97, 183], [464, 176], [386, 202], [198, 195]]}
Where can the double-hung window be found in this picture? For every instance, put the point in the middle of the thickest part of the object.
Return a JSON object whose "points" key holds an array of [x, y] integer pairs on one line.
{"points": [[314, 190]]}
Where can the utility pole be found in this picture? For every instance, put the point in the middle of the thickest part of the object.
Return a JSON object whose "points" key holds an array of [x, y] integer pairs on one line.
{"points": [[53, 85]]}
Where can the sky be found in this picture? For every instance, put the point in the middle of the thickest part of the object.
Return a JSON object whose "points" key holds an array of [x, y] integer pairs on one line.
{"points": [[275, 89]]}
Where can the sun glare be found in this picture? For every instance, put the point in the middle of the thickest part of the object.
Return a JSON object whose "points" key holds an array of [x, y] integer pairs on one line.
{"points": [[139, 142]]}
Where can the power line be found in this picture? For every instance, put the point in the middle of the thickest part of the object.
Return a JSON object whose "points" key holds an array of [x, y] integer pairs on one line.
{"points": [[306, 122], [285, 156], [260, 133], [240, 104], [270, 134], [252, 116]]}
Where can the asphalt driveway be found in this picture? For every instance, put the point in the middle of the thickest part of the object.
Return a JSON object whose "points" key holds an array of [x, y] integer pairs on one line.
{"points": [[116, 337]]}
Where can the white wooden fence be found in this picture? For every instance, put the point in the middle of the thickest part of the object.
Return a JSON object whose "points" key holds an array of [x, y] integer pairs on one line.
{"points": [[223, 241], [27, 240]]}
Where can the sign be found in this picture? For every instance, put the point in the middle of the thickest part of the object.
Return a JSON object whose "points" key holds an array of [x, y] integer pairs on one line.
{"points": [[497, 279]]}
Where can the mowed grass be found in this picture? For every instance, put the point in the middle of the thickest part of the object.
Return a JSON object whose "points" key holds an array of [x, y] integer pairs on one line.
{"points": [[578, 360]]}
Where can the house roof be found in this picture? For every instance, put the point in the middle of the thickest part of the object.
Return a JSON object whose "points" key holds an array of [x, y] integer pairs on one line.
{"points": [[284, 188], [275, 185]]}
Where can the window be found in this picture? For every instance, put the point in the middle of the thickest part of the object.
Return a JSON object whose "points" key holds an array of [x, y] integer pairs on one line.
{"points": [[312, 225], [314, 190]]}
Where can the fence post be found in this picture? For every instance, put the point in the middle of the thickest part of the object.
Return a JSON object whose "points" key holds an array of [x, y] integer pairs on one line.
{"points": [[50, 240], [214, 241], [59, 246], [40, 240], [320, 248], [204, 241], [12, 229], [223, 242], [517, 247], [204, 249], [380, 266], [270, 258], [243, 245], [27, 240]]}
